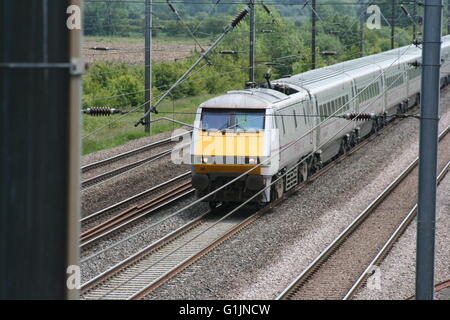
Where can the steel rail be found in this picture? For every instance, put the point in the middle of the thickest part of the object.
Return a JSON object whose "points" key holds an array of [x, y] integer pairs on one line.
{"points": [[341, 238], [389, 243], [131, 200], [239, 225], [94, 282], [129, 216], [438, 287], [113, 173], [130, 153], [125, 217]]}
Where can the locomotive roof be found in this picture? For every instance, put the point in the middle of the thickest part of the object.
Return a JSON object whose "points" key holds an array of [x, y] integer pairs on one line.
{"points": [[248, 98]]}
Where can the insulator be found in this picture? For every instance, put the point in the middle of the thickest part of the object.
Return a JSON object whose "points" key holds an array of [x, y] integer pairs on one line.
{"points": [[101, 48], [268, 74], [417, 42], [404, 10], [266, 9], [328, 53], [171, 7], [100, 111], [415, 64], [240, 16], [304, 5], [359, 117], [228, 52]]}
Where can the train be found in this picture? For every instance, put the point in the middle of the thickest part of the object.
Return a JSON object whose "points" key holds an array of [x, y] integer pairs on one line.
{"points": [[269, 138]]}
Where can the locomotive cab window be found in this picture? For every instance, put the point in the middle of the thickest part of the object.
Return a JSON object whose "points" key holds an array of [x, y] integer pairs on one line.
{"points": [[232, 119]]}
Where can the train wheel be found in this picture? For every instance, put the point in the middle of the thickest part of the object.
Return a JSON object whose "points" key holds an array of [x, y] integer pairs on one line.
{"points": [[277, 189], [303, 171], [354, 139], [376, 125], [345, 146], [384, 121]]}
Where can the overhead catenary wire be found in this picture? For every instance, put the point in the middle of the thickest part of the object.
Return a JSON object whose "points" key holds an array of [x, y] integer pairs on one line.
{"points": [[228, 29], [125, 94], [193, 79], [140, 106], [134, 109], [212, 64], [269, 158], [186, 27], [238, 207], [188, 80], [293, 3]]}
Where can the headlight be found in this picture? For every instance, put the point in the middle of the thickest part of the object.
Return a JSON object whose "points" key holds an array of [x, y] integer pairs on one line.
{"points": [[253, 160], [205, 159]]}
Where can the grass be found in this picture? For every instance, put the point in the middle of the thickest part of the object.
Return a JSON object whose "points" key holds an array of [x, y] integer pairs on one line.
{"points": [[118, 132]]}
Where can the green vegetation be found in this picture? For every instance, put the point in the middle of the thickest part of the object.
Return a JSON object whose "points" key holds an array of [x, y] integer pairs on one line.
{"points": [[120, 128], [286, 48]]}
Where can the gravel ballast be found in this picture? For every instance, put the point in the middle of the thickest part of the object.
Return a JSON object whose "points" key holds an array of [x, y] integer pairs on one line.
{"points": [[132, 182], [139, 238], [396, 274], [262, 260]]}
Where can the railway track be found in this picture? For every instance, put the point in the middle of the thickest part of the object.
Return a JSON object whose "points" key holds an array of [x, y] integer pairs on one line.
{"points": [[345, 264], [107, 223], [125, 155], [438, 287], [103, 214], [93, 179], [146, 270], [149, 268], [115, 172], [388, 246]]}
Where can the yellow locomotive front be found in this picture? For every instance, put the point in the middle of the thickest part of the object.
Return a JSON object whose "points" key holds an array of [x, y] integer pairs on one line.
{"points": [[229, 139]]}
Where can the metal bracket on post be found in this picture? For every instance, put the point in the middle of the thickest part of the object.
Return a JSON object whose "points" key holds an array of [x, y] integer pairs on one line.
{"points": [[77, 67]]}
